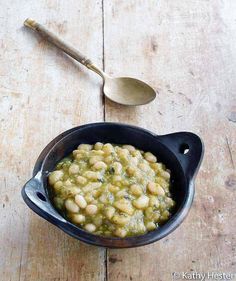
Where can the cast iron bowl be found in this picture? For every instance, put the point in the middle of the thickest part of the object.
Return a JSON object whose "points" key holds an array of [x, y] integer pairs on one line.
{"points": [[170, 149]]}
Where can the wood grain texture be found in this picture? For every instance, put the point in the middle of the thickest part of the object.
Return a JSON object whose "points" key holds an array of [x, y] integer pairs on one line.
{"points": [[187, 51], [42, 93]]}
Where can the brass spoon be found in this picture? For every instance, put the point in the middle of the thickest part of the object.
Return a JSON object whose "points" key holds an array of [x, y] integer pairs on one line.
{"points": [[123, 90]]}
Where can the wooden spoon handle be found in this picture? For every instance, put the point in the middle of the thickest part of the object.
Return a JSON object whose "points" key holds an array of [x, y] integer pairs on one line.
{"points": [[61, 44]]}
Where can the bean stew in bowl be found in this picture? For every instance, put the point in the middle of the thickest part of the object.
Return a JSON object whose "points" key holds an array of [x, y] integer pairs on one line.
{"points": [[112, 190], [115, 185]]}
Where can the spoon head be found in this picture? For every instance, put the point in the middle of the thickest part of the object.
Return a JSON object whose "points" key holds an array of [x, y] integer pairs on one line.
{"points": [[128, 91]]}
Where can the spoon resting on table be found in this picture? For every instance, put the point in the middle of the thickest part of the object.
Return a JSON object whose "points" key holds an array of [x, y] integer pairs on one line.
{"points": [[122, 90]]}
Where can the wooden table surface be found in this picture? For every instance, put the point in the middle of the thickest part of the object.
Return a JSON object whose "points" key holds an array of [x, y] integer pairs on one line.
{"points": [[187, 50]]}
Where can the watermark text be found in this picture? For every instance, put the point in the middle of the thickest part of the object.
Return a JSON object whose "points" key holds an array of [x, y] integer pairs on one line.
{"points": [[203, 276]]}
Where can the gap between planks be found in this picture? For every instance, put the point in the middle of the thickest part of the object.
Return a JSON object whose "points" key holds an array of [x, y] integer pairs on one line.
{"points": [[103, 60], [104, 119]]}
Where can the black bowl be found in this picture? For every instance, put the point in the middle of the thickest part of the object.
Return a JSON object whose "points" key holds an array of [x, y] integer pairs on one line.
{"points": [[180, 152]]}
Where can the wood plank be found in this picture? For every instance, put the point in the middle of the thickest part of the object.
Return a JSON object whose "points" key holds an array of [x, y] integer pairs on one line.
{"points": [[42, 93], [187, 51]]}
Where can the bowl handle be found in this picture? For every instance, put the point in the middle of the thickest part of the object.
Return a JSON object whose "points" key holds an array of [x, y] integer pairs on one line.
{"points": [[34, 196], [188, 148]]}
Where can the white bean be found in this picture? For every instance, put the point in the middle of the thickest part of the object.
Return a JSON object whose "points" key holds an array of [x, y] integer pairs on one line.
{"points": [[134, 161], [86, 147], [91, 186], [150, 157], [78, 218], [170, 201], [108, 148], [165, 175], [73, 169], [144, 167], [75, 152], [141, 202], [90, 227], [121, 219], [81, 180], [91, 209], [152, 187], [157, 167], [113, 188], [136, 189], [71, 206], [67, 183], [80, 201], [96, 192], [55, 176], [163, 183], [74, 190], [160, 190], [154, 202], [125, 206], [129, 147], [103, 198], [97, 220], [108, 159], [109, 212], [98, 146], [123, 154], [100, 166], [137, 154], [149, 212], [91, 175], [100, 153], [155, 216], [88, 197], [94, 159], [80, 155], [116, 179], [58, 185], [150, 226], [120, 232], [117, 167], [122, 193], [155, 189], [165, 215], [130, 171]]}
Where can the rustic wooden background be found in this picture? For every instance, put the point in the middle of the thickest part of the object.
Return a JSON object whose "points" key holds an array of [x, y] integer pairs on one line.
{"points": [[187, 50]]}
